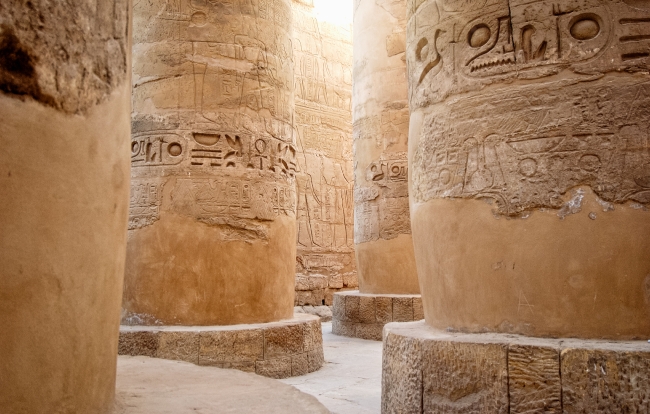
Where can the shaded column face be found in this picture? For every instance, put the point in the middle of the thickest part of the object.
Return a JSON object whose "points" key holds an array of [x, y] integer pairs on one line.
{"points": [[530, 165], [64, 171], [323, 121], [212, 218], [383, 241]]}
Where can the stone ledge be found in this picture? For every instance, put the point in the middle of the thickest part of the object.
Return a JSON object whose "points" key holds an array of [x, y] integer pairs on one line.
{"points": [[426, 370], [363, 315], [280, 349]]}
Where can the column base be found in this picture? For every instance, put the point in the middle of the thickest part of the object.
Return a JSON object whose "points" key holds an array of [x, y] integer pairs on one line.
{"points": [[362, 315], [427, 370], [281, 349]]}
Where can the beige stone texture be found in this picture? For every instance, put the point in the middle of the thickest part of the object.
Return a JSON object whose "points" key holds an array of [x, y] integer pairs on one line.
{"points": [[384, 248], [363, 315], [64, 171], [430, 371], [231, 346], [212, 225], [418, 310], [530, 163], [279, 349], [322, 53]]}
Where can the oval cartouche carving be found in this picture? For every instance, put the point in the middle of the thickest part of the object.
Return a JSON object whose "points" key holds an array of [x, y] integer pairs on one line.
{"points": [[585, 28], [479, 35]]}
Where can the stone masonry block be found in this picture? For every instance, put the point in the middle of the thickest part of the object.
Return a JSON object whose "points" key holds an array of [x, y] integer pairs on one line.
{"points": [[338, 308], [401, 391], [140, 343], [315, 359], [312, 336], [246, 366], [231, 346], [383, 309], [299, 365], [366, 309], [402, 309], [372, 332], [179, 345], [605, 381], [534, 379], [344, 328], [464, 377], [352, 308], [274, 368], [418, 310], [280, 341]]}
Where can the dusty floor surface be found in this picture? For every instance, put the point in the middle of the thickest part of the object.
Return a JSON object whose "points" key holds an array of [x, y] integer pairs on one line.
{"points": [[350, 380], [157, 386]]}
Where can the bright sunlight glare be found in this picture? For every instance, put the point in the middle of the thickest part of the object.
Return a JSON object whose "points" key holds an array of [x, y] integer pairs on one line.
{"points": [[334, 11]]}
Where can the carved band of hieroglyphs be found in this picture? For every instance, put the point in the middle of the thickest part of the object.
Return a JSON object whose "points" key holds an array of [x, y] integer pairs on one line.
{"points": [[529, 157], [233, 197], [497, 40], [388, 171], [144, 207], [156, 149]]}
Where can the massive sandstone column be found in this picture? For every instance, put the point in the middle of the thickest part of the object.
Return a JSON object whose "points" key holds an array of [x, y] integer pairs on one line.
{"points": [[64, 183], [323, 120], [382, 236], [212, 228], [212, 221], [530, 188]]}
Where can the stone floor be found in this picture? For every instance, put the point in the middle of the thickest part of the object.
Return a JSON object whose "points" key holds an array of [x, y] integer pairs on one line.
{"points": [[157, 386], [348, 383], [350, 380]]}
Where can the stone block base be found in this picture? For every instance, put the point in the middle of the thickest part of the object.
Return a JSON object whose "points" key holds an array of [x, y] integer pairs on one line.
{"points": [[362, 315], [430, 371], [281, 349]]}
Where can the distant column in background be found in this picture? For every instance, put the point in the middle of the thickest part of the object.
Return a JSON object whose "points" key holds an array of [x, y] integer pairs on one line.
{"points": [[388, 283], [64, 185], [323, 120], [213, 196]]}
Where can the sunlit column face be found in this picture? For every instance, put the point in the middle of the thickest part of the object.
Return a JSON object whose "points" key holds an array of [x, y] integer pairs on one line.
{"points": [[334, 11]]}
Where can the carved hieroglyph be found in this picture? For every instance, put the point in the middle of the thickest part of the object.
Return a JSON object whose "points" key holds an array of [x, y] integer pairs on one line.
{"points": [[563, 127], [214, 153], [539, 108], [381, 124], [323, 122]]}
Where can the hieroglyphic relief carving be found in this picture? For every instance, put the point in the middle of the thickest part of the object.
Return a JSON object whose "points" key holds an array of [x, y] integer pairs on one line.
{"points": [[558, 126], [144, 206], [213, 100], [323, 121]]}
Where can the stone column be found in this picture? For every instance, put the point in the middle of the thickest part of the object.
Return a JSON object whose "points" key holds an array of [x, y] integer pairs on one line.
{"points": [[212, 222], [212, 228], [64, 180], [323, 83], [530, 187], [388, 284]]}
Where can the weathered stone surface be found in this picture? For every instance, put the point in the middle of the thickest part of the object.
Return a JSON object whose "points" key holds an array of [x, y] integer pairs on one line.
{"points": [[528, 130], [366, 314], [231, 346], [534, 379], [503, 373], [181, 346], [460, 377], [274, 368], [606, 380], [418, 310], [382, 230], [403, 309], [286, 348], [214, 160], [401, 390], [322, 53], [142, 343]]}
